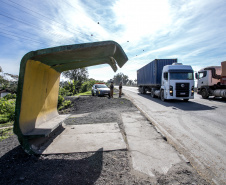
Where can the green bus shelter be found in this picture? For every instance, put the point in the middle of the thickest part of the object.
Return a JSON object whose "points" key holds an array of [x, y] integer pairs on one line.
{"points": [[36, 115]]}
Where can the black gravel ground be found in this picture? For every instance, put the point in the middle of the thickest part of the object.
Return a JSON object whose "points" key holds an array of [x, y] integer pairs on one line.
{"points": [[16, 167]]}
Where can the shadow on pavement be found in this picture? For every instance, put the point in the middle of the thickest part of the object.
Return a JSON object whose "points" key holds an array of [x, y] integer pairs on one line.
{"points": [[179, 104], [17, 167]]}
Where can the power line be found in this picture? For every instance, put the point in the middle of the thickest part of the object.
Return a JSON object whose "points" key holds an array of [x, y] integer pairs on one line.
{"points": [[17, 29], [11, 34], [32, 25], [40, 15], [24, 37]]}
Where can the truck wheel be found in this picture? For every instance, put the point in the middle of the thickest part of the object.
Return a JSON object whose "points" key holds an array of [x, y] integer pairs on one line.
{"points": [[143, 90], [162, 95], [205, 94]]}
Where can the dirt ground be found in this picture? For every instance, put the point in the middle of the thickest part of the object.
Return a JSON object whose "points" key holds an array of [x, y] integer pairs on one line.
{"points": [[16, 167]]}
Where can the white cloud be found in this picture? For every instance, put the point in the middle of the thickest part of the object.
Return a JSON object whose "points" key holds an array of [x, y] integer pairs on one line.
{"points": [[10, 66], [103, 72], [141, 18]]}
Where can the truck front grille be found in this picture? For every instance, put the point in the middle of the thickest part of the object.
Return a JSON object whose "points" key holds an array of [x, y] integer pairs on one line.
{"points": [[182, 89], [182, 86]]}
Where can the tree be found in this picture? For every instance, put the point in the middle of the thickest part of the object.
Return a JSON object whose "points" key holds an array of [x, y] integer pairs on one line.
{"points": [[77, 76], [120, 77], [130, 82]]}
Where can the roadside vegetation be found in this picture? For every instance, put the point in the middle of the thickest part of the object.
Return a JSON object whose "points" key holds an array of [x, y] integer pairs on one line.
{"points": [[7, 108], [7, 114]]}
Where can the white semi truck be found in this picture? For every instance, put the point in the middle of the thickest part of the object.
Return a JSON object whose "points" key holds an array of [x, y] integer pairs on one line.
{"points": [[167, 79], [212, 81]]}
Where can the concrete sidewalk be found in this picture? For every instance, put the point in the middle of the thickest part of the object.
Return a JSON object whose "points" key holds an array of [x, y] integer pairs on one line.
{"points": [[87, 138], [150, 152]]}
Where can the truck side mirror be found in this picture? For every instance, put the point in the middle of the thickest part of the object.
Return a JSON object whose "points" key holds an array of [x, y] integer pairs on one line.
{"points": [[196, 76]]}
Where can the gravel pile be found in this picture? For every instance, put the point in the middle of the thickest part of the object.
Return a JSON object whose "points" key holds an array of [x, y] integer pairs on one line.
{"points": [[16, 167]]}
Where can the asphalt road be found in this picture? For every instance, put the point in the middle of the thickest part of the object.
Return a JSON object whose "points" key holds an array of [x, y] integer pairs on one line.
{"points": [[197, 129]]}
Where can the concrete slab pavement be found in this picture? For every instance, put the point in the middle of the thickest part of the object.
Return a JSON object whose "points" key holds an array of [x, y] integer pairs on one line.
{"points": [[87, 138], [150, 152]]}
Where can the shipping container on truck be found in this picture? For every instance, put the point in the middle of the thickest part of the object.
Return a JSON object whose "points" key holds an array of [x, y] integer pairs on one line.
{"points": [[167, 79]]}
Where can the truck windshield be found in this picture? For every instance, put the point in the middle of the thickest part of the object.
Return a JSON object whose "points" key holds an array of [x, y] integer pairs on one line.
{"points": [[181, 76]]}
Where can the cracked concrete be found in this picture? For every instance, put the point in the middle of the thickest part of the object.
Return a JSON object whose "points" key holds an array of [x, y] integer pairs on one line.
{"points": [[150, 153]]}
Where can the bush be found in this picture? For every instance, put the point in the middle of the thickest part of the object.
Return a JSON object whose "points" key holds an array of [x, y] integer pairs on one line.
{"points": [[60, 100], [64, 92], [62, 104], [65, 104], [10, 96], [7, 110], [4, 118], [86, 86]]}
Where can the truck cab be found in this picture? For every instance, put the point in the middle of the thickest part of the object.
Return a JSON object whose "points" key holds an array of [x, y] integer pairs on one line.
{"points": [[205, 76], [211, 81], [177, 82]]}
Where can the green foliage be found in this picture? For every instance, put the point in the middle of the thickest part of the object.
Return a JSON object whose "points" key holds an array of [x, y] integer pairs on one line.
{"points": [[85, 86], [65, 104], [10, 96], [68, 88], [77, 77], [60, 100], [7, 110], [64, 92], [4, 118]]}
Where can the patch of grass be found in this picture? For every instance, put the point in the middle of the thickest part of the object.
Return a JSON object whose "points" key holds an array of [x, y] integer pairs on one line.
{"points": [[6, 124], [87, 93], [5, 133]]}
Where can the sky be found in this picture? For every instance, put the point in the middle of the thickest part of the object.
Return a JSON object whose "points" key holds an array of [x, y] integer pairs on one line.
{"points": [[193, 31]]}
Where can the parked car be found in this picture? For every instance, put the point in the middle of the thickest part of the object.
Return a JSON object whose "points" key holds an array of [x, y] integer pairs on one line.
{"points": [[100, 89]]}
